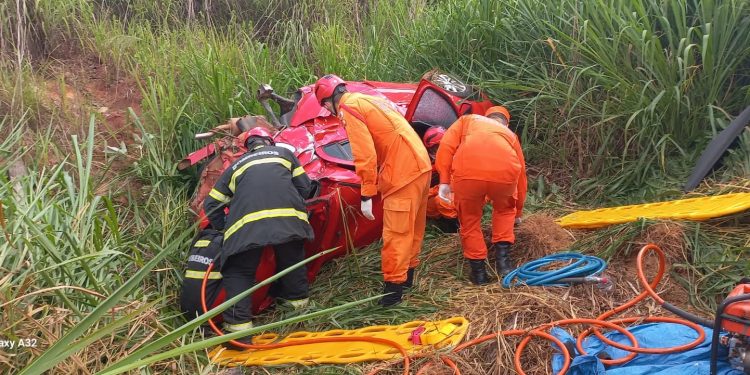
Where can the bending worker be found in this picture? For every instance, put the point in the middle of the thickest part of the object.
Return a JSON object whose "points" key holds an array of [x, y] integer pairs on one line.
{"points": [[265, 190], [390, 159], [481, 157]]}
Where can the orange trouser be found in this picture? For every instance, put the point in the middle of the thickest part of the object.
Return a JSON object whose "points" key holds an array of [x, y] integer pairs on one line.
{"points": [[404, 220], [469, 196], [438, 208]]}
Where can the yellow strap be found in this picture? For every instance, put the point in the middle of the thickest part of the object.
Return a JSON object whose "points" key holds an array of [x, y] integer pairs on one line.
{"points": [[239, 172], [298, 171], [215, 194], [202, 243], [192, 274], [264, 214]]}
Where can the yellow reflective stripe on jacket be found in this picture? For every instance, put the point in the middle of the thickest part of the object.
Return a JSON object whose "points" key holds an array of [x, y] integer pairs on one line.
{"points": [[202, 243], [264, 214], [192, 274], [298, 171], [238, 327], [239, 172], [215, 194], [298, 303]]}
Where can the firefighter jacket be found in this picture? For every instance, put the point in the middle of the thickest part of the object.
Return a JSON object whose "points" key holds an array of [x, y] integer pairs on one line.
{"points": [[265, 190], [478, 148], [204, 251], [388, 154]]}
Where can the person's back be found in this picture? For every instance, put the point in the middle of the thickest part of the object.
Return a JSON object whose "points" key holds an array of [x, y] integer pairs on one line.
{"points": [[401, 156], [264, 193], [487, 151]]}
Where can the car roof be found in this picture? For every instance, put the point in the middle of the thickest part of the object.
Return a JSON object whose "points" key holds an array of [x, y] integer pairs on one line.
{"points": [[308, 107]]}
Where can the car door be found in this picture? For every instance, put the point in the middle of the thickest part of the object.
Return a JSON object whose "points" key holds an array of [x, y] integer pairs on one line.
{"points": [[432, 106]]}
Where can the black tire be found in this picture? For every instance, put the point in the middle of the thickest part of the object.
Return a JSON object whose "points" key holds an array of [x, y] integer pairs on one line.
{"points": [[451, 84], [716, 149]]}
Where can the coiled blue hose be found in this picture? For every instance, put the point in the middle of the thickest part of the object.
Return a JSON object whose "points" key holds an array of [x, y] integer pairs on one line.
{"points": [[581, 266]]}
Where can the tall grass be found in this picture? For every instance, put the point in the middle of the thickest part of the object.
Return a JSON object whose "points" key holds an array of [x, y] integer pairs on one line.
{"points": [[65, 240], [630, 89]]}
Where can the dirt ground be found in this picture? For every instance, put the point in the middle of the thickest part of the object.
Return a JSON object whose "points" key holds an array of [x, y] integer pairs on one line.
{"points": [[73, 89]]}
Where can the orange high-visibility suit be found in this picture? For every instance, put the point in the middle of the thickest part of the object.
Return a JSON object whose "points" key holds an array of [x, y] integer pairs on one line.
{"points": [[391, 160], [483, 158], [438, 208]]}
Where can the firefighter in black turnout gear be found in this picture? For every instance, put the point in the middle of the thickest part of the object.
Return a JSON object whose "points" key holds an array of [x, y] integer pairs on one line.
{"points": [[205, 250], [265, 190]]}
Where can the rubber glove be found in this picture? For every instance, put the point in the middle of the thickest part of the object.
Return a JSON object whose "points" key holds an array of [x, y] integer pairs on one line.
{"points": [[444, 192], [366, 208]]}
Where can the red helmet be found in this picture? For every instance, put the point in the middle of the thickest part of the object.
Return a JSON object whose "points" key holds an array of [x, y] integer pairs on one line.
{"points": [[325, 86], [256, 132], [433, 136]]}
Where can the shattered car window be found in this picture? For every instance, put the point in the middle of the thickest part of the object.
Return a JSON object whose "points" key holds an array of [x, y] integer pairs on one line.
{"points": [[339, 150], [434, 109]]}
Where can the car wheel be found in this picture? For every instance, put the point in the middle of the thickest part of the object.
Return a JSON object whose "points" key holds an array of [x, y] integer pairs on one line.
{"points": [[451, 84]]}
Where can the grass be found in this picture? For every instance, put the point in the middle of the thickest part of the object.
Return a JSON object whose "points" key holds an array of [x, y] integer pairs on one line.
{"points": [[614, 102]]}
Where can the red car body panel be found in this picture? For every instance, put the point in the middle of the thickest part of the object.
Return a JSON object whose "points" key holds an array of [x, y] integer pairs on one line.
{"points": [[320, 143]]}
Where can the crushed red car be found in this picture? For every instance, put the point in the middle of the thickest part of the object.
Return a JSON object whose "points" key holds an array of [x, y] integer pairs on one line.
{"points": [[320, 142]]}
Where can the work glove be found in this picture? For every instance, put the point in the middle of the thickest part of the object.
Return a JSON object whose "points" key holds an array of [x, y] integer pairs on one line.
{"points": [[444, 192], [366, 208], [517, 222]]}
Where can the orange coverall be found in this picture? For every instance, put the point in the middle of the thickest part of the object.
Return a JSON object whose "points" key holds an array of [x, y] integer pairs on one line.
{"points": [[483, 158], [391, 160], [438, 208]]}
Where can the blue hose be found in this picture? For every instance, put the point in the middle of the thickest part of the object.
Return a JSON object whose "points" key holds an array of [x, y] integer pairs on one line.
{"points": [[581, 266]]}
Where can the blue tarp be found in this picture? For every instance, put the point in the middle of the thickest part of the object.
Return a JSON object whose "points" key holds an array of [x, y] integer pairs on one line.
{"points": [[654, 335]]}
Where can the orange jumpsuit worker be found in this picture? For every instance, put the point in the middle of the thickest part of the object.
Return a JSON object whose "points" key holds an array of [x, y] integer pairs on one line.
{"points": [[436, 207], [483, 158], [390, 159]]}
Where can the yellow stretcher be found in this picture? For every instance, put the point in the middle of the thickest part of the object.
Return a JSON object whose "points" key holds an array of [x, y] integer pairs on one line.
{"points": [[428, 335], [698, 209]]}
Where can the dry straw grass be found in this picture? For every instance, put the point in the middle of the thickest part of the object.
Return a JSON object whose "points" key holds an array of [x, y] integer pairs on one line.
{"points": [[493, 308]]}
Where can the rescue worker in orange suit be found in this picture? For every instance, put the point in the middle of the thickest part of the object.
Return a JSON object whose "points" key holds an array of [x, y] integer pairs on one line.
{"points": [[265, 190], [205, 249], [436, 208], [479, 156], [390, 160]]}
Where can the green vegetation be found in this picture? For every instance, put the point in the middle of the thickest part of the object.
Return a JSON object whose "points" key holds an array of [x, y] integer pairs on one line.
{"points": [[614, 100]]}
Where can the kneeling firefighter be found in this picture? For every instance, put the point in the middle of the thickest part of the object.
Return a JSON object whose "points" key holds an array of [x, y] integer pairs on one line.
{"points": [[204, 250], [437, 208], [265, 190]]}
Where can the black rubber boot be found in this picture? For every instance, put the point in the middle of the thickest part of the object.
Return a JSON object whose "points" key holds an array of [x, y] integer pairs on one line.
{"points": [[243, 340], [502, 258], [478, 272], [409, 279], [393, 292]]}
